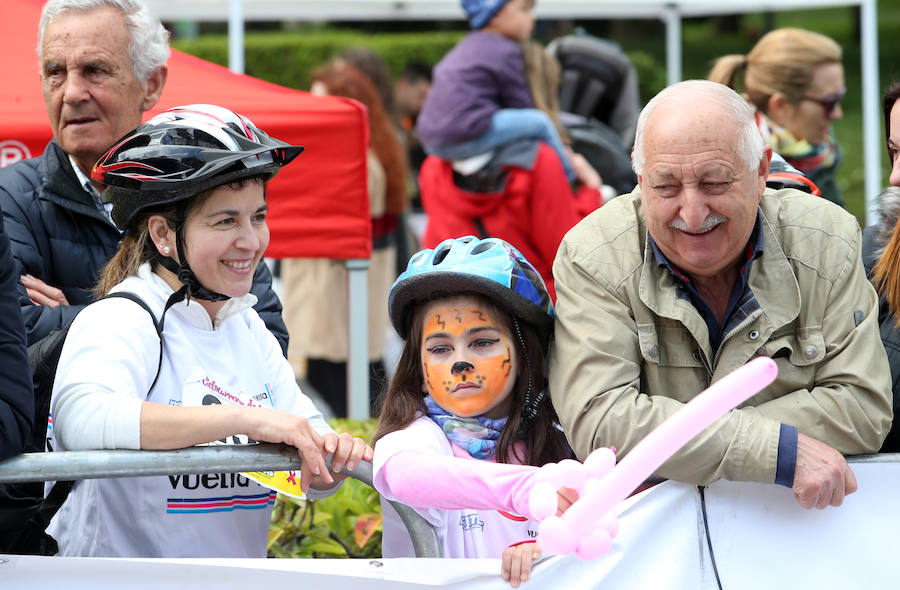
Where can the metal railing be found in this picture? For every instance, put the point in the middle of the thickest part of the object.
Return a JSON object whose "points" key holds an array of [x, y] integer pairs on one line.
{"points": [[74, 465], [875, 458]]}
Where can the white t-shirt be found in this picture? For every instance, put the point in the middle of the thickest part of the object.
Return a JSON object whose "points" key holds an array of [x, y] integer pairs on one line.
{"points": [[463, 533], [112, 350]]}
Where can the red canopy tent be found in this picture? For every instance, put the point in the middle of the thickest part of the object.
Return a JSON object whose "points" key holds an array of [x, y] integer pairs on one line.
{"points": [[319, 204]]}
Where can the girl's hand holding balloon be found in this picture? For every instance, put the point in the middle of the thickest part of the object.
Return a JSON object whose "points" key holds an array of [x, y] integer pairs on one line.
{"points": [[552, 482]]}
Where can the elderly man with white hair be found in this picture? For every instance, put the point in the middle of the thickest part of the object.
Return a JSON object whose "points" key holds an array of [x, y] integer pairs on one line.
{"points": [[702, 268], [102, 66]]}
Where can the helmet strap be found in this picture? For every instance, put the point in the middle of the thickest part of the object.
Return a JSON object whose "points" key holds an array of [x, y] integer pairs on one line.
{"points": [[531, 401], [192, 287]]}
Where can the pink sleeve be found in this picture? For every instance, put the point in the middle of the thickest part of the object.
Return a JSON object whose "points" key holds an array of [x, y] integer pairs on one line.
{"points": [[426, 480]]}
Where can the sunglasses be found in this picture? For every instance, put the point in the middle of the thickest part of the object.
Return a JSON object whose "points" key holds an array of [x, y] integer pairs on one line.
{"points": [[829, 103]]}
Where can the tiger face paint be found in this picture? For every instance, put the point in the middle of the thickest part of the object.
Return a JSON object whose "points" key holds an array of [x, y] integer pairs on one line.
{"points": [[468, 358]]}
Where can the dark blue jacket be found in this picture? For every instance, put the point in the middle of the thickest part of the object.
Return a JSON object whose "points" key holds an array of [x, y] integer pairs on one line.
{"points": [[16, 397], [58, 235]]}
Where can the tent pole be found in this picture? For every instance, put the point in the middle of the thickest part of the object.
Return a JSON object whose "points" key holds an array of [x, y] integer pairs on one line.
{"points": [[871, 100], [672, 18], [358, 359], [236, 36]]}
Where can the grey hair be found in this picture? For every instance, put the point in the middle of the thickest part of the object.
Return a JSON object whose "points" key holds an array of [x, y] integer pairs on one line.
{"points": [[750, 141], [148, 47]]}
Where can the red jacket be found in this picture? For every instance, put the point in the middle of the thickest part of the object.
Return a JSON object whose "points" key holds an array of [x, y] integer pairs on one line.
{"points": [[533, 212]]}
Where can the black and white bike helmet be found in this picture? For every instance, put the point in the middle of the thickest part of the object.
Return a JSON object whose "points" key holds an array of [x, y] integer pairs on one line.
{"points": [[176, 155], [184, 151]]}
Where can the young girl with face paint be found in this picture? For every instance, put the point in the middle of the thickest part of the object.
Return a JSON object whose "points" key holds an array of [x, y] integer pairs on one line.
{"points": [[466, 419]]}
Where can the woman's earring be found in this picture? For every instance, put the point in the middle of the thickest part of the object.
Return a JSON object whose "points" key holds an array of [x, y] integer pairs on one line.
{"points": [[166, 250]]}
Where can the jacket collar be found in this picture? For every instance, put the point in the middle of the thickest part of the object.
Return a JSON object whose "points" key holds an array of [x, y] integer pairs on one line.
{"points": [[771, 279], [61, 185], [191, 313], [774, 284]]}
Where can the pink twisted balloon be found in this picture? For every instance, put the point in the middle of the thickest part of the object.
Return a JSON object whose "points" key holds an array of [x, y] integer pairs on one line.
{"points": [[577, 529]]}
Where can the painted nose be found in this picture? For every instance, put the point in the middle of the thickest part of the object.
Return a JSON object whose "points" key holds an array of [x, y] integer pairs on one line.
{"points": [[461, 367]]}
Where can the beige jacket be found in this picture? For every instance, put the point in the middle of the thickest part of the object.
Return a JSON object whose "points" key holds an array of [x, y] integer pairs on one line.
{"points": [[315, 294], [628, 353]]}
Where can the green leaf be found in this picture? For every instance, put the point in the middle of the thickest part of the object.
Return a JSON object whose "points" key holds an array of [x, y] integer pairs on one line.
{"points": [[328, 546], [321, 518]]}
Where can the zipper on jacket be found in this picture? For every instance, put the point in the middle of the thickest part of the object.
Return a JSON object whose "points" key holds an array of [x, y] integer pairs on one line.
{"points": [[698, 356], [740, 328]]}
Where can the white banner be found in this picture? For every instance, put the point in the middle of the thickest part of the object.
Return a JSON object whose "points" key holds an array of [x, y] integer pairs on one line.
{"points": [[760, 538]]}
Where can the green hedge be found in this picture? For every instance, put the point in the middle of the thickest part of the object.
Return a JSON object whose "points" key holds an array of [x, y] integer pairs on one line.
{"points": [[288, 58]]}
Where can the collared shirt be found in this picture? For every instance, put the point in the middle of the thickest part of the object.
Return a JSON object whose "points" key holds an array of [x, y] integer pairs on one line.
{"points": [[741, 304], [88, 186]]}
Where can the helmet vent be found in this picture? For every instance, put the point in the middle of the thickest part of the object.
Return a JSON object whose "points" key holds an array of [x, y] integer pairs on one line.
{"points": [[482, 247], [440, 255]]}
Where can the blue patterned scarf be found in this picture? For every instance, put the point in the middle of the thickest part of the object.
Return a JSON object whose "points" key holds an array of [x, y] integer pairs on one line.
{"points": [[478, 435]]}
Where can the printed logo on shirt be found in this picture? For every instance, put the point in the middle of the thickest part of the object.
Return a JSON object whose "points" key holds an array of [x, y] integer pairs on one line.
{"points": [[202, 389], [50, 439], [220, 504], [209, 481], [240, 398], [469, 522]]}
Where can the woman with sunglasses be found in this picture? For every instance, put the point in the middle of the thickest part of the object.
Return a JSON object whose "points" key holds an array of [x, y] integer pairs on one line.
{"points": [[795, 80]]}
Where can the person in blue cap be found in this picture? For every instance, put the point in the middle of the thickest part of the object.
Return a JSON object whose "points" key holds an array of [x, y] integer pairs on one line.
{"points": [[479, 97]]}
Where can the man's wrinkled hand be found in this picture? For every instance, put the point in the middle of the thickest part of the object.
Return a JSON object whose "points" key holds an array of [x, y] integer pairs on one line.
{"points": [[822, 476]]}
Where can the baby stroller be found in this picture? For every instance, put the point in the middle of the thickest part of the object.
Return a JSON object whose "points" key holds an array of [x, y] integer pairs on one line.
{"points": [[599, 104]]}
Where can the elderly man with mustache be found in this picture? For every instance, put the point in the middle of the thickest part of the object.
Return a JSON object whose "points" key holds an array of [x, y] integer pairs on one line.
{"points": [[700, 269]]}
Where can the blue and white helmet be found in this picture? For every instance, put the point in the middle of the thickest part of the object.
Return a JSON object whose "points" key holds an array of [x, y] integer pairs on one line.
{"points": [[489, 267]]}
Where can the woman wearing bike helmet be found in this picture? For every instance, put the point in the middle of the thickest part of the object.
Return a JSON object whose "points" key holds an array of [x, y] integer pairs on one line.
{"points": [[188, 189], [469, 396]]}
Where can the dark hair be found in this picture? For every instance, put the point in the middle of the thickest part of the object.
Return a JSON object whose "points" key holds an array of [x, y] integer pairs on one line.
{"points": [[371, 64], [403, 401], [414, 71], [891, 95], [886, 272]]}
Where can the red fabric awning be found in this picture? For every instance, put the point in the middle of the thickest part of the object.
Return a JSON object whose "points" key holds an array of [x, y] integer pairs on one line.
{"points": [[319, 204]]}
